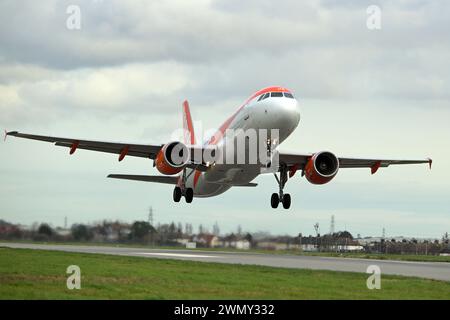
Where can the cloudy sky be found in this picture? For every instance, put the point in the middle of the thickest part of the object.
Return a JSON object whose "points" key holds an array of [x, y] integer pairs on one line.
{"points": [[123, 75]]}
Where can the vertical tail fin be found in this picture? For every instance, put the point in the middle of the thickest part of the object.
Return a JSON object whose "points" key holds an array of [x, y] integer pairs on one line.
{"points": [[188, 127]]}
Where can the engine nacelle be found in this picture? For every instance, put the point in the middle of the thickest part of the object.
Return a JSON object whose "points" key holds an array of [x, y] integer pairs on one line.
{"points": [[172, 158], [322, 167]]}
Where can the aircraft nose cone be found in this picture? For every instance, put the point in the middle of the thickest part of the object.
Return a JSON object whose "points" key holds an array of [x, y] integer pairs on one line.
{"points": [[278, 114], [286, 116], [291, 111]]}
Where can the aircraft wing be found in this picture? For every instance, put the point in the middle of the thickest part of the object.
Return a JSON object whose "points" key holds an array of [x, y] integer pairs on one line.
{"points": [[136, 150], [122, 149], [298, 161]]}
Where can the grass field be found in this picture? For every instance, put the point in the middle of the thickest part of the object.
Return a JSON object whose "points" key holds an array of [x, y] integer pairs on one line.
{"points": [[360, 255], [35, 274]]}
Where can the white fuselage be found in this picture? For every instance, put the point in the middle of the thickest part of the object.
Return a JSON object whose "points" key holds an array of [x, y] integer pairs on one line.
{"points": [[280, 113]]}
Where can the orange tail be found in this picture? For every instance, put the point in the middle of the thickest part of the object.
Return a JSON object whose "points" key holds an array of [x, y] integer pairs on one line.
{"points": [[188, 127]]}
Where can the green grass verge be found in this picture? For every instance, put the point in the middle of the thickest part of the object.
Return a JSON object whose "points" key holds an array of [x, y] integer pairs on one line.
{"points": [[378, 256], [39, 274]]}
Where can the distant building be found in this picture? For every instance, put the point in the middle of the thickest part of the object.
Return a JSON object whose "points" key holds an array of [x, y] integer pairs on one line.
{"points": [[111, 231], [183, 241], [8, 230], [65, 233], [235, 241], [206, 240], [283, 243]]}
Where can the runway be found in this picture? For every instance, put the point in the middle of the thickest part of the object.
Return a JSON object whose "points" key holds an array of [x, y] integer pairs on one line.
{"points": [[430, 270]]}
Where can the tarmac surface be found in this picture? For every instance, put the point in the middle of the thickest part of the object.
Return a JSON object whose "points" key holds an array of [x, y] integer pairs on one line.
{"points": [[430, 270]]}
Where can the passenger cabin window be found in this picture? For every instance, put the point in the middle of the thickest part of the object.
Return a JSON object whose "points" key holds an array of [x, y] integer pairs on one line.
{"points": [[288, 95], [276, 94]]}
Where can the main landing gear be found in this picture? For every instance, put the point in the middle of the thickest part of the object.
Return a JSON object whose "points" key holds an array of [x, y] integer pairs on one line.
{"points": [[284, 198], [180, 191]]}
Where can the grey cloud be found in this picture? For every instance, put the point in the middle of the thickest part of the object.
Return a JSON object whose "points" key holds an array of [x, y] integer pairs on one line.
{"points": [[117, 32], [319, 47]]}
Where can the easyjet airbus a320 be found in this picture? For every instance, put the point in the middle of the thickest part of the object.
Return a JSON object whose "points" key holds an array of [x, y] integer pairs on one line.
{"points": [[200, 170]]}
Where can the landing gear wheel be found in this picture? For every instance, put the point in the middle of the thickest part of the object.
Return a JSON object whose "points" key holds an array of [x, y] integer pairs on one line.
{"points": [[274, 200], [189, 195], [286, 201], [177, 194], [284, 198]]}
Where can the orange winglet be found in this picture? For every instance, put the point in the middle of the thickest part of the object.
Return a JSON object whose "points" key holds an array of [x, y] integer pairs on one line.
{"points": [[123, 153], [430, 162], [293, 170], [375, 167], [74, 146]]}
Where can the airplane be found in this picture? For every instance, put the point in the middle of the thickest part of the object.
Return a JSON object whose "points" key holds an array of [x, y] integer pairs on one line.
{"points": [[271, 108]]}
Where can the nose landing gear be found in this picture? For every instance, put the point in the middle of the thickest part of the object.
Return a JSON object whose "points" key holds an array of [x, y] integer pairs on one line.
{"points": [[284, 198]]}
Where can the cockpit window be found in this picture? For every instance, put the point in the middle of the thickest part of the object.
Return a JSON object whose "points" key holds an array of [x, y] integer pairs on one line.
{"points": [[265, 96], [276, 94]]}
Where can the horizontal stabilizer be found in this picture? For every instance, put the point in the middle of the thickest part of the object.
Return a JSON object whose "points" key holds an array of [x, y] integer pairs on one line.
{"points": [[158, 179], [250, 184]]}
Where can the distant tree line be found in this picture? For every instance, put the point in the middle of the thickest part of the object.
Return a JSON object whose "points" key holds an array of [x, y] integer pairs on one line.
{"points": [[409, 246], [177, 234], [105, 231]]}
